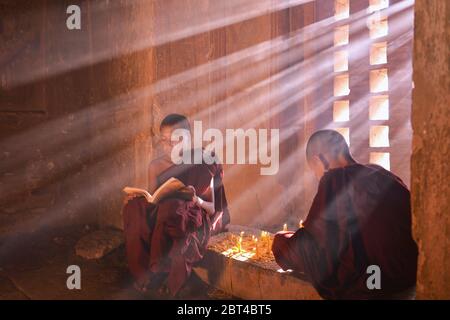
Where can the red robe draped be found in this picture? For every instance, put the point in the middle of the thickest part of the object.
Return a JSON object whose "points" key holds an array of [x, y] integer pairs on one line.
{"points": [[360, 216], [171, 236]]}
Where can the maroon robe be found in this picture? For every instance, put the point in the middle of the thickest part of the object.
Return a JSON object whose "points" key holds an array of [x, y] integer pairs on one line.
{"points": [[172, 236], [360, 216]]}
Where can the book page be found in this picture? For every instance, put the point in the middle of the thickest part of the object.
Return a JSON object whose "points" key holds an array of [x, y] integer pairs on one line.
{"points": [[145, 193], [168, 188], [171, 188]]}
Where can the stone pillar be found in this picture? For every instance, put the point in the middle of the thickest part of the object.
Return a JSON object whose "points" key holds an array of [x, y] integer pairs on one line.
{"points": [[431, 147]]}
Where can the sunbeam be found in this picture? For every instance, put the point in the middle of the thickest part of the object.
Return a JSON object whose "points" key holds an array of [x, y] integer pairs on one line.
{"points": [[94, 95]]}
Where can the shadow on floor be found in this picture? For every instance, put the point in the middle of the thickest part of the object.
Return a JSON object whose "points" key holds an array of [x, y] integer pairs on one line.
{"points": [[34, 267]]}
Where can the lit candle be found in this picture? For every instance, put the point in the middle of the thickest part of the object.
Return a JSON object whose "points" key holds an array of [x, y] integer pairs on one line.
{"points": [[300, 225], [240, 244], [267, 243], [285, 227], [263, 240]]}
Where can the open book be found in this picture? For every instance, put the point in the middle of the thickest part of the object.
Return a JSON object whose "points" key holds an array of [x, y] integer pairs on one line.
{"points": [[172, 188]]}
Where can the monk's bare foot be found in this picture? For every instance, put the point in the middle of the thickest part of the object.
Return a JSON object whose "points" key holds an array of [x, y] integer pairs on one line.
{"points": [[164, 290], [139, 287], [142, 284]]}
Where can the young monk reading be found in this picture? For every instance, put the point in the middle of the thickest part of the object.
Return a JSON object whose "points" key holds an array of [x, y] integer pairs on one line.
{"points": [[169, 237], [360, 216]]}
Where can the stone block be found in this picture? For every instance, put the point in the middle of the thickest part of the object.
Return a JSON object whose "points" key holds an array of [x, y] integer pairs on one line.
{"points": [[99, 243], [250, 279]]}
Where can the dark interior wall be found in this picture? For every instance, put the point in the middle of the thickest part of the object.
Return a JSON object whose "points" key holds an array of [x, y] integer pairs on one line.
{"points": [[430, 164], [74, 119], [79, 107]]}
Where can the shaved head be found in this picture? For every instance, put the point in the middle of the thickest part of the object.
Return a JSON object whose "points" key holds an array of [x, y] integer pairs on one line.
{"points": [[327, 143]]}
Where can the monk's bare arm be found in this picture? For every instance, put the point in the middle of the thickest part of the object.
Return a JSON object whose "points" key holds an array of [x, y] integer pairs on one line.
{"points": [[281, 249], [152, 183], [209, 206]]}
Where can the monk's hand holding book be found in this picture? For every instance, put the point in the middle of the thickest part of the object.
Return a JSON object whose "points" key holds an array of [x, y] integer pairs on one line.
{"points": [[207, 206], [191, 190], [129, 196], [197, 200]]}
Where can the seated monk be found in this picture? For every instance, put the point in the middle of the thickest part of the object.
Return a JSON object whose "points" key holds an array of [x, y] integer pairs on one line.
{"points": [[360, 216], [168, 238]]}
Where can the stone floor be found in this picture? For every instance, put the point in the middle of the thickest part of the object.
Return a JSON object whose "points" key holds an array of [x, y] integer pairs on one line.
{"points": [[34, 267]]}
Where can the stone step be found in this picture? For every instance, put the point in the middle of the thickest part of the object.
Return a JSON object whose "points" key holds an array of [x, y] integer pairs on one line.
{"points": [[249, 279]]}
